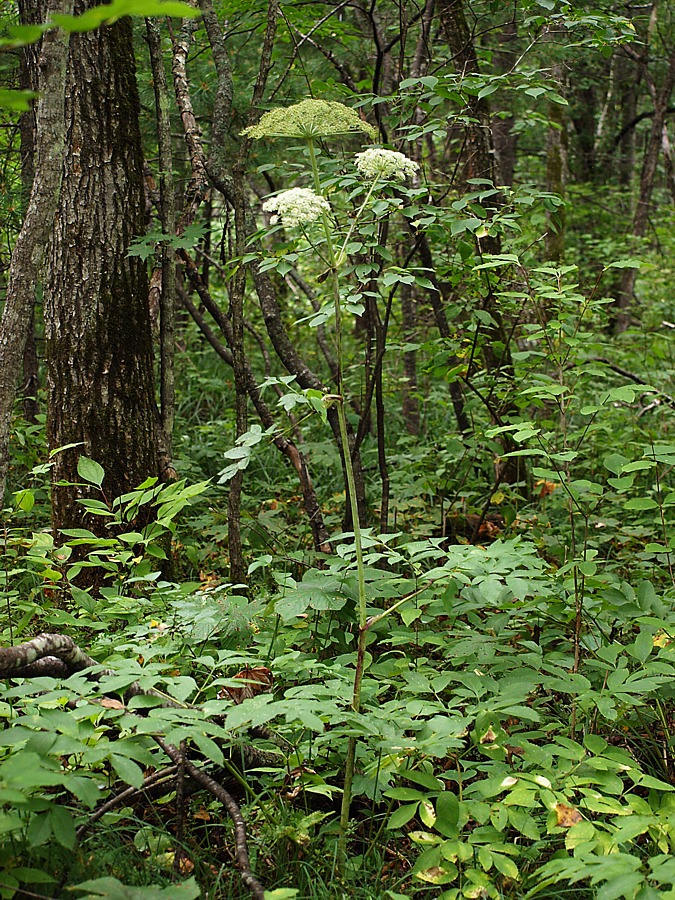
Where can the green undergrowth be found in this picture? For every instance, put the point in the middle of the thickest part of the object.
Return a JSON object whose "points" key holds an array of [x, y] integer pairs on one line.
{"points": [[515, 732], [515, 736]]}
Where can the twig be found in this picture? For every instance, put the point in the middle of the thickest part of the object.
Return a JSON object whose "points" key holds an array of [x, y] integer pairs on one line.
{"points": [[670, 401], [122, 797], [180, 807]]}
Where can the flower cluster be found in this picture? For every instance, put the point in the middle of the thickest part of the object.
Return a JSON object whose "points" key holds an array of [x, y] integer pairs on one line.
{"points": [[310, 119], [299, 206], [377, 163]]}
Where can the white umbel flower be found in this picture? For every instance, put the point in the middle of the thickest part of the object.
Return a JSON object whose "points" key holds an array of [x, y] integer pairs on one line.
{"points": [[378, 163], [299, 206]]}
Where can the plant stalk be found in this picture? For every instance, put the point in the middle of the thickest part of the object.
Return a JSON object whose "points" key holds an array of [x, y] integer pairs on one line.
{"points": [[335, 260]]}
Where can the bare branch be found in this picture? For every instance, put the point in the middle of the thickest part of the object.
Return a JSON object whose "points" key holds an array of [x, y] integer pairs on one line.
{"points": [[232, 807]]}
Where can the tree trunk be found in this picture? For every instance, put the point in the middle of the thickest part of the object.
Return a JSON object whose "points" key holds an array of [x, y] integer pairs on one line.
{"points": [[27, 257], [97, 324], [627, 75], [556, 161], [411, 403], [479, 150], [661, 99], [583, 105], [31, 13], [481, 163], [503, 138]]}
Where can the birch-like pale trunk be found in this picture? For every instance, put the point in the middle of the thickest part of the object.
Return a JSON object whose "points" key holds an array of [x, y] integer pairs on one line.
{"points": [[28, 255]]}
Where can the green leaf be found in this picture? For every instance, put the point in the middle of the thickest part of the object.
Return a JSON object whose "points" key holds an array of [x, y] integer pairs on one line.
{"points": [[39, 830], [63, 827], [641, 503], [505, 866], [642, 646], [127, 769], [404, 793], [19, 101], [625, 264], [424, 779], [402, 816], [32, 876], [447, 814], [24, 500], [112, 889], [90, 471], [281, 894], [111, 12]]}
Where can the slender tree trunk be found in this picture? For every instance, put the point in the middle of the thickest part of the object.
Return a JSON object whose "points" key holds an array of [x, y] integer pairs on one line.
{"points": [[627, 77], [27, 257], [669, 159], [97, 324], [411, 403], [481, 163], [30, 13], [556, 170], [237, 288], [503, 138], [286, 446], [661, 99], [167, 301]]}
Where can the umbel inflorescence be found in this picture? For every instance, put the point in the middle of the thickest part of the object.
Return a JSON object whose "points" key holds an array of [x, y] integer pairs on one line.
{"points": [[386, 164], [310, 119], [297, 206], [313, 119]]}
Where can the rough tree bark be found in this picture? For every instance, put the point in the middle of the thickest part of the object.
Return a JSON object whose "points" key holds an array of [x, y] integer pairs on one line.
{"points": [[28, 254], [33, 12], [556, 159], [97, 324], [502, 124]]}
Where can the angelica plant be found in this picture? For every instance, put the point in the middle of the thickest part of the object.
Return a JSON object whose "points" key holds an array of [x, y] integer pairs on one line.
{"points": [[309, 121]]}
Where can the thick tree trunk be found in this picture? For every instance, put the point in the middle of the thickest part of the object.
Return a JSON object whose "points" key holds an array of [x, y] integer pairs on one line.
{"points": [[480, 159], [97, 324], [27, 257], [584, 106]]}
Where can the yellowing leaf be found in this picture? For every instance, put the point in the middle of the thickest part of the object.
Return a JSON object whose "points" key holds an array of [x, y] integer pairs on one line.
{"points": [[567, 815]]}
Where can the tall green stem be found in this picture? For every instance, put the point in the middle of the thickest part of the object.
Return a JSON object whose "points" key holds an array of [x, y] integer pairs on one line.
{"points": [[335, 261]]}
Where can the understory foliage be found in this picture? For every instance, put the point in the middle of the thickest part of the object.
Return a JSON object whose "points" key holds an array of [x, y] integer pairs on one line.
{"points": [[466, 688]]}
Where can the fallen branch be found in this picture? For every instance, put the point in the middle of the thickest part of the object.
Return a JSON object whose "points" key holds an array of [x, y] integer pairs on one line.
{"points": [[670, 401], [232, 807], [46, 654]]}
